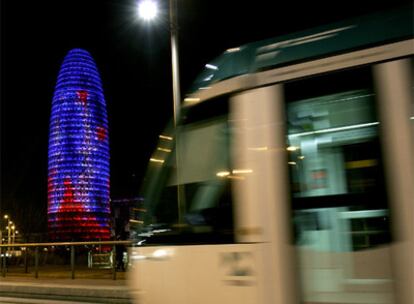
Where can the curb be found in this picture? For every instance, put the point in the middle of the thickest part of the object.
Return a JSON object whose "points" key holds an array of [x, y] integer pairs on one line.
{"points": [[91, 294]]}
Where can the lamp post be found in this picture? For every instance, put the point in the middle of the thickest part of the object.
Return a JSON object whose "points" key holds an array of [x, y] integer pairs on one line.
{"points": [[174, 58], [6, 218], [1, 228], [9, 228], [13, 228], [147, 10]]}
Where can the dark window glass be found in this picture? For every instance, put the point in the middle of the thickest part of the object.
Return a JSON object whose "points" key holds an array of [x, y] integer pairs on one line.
{"points": [[192, 205], [340, 213], [335, 159]]}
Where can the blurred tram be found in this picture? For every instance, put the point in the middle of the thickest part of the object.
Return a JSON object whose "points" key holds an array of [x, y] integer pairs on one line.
{"points": [[290, 175]]}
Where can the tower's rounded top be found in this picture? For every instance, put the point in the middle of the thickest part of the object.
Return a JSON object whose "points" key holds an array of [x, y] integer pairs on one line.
{"points": [[79, 51], [78, 71]]}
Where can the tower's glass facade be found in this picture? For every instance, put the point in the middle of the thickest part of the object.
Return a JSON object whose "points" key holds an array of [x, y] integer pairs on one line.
{"points": [[78, 170]]}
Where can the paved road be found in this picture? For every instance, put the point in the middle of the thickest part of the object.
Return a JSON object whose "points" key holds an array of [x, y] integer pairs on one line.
{"points": [[13, 300], [63, 291]]}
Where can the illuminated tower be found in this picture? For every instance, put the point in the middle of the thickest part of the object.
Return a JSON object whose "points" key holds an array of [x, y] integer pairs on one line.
{"points": [[78, 171]]}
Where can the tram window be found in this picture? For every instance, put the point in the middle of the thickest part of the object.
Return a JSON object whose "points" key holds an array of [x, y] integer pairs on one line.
{"points": [[204, 194], [334, 152], [340, 214], [333, 137], [369, 232], [328, 84]]}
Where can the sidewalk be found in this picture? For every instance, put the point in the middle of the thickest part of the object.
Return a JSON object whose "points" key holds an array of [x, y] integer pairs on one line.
{"points": [[103, 290]]}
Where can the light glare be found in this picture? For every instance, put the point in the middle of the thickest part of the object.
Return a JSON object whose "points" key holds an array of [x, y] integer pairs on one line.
{"points": [[164, 150], [223, 173], [165, 137], [292, 148], [242, 171], [191, 100], [212, 67], [147, 9], [156, 160]]}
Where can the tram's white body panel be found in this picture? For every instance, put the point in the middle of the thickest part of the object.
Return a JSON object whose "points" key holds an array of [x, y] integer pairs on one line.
{"points": [[184, 277]]}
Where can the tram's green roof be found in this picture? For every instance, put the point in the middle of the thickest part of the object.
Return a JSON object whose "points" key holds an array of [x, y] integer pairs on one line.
{"points": [[341, 37]]}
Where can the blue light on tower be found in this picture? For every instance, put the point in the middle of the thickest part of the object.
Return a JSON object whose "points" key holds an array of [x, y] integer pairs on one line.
{"points": [[78, 170]]}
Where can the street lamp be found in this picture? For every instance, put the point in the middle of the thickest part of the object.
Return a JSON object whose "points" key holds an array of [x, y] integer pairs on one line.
{"points": [[148, 10]]}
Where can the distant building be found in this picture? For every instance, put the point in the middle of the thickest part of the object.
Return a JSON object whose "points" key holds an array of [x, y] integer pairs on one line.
{"points": [[78, 171]]}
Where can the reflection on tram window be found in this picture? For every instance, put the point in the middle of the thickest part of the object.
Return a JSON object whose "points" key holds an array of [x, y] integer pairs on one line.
{"points": [[335, 135], [340, 216], [194, 204]]}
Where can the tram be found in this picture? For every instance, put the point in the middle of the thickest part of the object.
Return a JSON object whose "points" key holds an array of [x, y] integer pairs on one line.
{"points": [[289, 177]]}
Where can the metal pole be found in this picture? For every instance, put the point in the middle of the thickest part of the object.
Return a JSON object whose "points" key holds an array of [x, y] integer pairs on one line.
{"points": [[4, 263], [36, 262], [25, 260], [177, 103], [8, 235], [72, 261], [1, 250], [114, 262], [174, 59]]}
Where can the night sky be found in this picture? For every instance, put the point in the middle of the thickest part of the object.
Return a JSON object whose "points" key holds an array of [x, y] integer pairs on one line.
{"points": [[134, 63]]}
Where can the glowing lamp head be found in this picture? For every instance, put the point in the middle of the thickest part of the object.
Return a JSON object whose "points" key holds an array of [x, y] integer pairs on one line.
{"points": [[147, 9]]}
